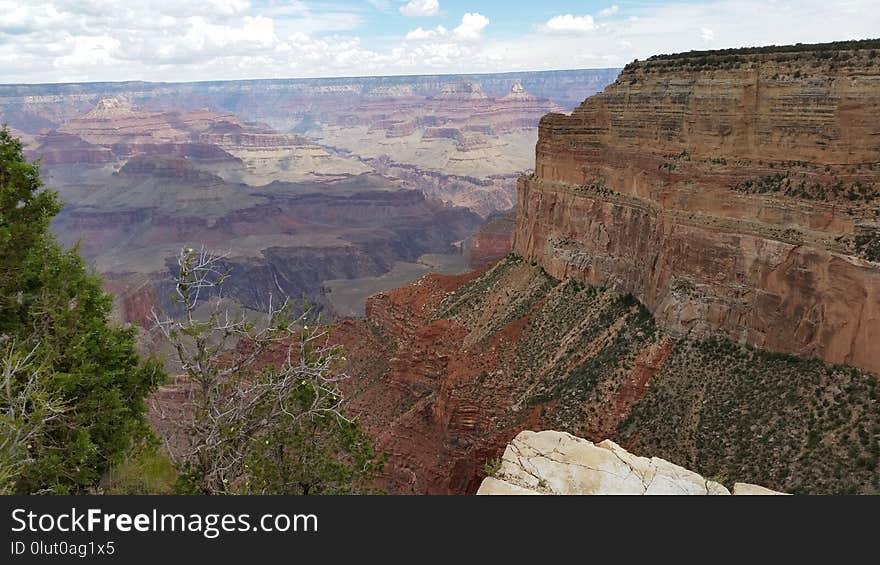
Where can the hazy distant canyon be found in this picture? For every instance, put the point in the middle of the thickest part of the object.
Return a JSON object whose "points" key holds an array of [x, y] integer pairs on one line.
{"points": [[329, 188]]}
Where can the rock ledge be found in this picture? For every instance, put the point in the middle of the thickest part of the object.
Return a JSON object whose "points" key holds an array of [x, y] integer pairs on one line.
{"points": [[559, 463]]}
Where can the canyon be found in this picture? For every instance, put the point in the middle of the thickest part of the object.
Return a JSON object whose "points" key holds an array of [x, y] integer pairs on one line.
{"points": [[694, 269], [693, 278], [327, 188], [445, 372], [464, 139]]}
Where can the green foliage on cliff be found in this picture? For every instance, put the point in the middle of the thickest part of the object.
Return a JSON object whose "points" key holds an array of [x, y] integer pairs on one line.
{"points": [[592, 362], [767, 418], [799, 186], [797, 48], [51, 304], [318, 455], [867, 246]]}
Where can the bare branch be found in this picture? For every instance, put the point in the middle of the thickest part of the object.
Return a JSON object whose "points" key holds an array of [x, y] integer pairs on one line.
{"points": [[235, 397], [25, 410]]}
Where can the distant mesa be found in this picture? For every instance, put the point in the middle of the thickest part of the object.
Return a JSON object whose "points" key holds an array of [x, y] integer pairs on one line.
{"points": [[224, 127], [110, 107], [165, 166], [517, 92], [57, 148]]}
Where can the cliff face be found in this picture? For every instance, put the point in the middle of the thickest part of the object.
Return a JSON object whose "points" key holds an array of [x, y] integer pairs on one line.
{"points": [[728, 192], [445, 372]]}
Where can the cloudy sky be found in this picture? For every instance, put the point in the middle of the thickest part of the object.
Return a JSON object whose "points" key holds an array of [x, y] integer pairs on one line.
{"points": [[179, 40]]}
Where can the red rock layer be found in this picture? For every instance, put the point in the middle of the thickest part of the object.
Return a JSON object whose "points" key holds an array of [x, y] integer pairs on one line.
{"points": [[443, 394], [492, 241], [727, 193]]}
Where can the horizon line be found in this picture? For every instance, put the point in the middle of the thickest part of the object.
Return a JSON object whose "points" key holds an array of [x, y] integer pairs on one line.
{"points": [[289, 79]]}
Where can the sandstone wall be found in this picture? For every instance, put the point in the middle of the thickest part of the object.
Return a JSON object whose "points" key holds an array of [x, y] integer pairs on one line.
{"points": [[731, 193]]}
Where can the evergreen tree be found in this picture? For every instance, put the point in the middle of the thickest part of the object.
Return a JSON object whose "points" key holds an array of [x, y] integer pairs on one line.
{"points": [[50, 302], [316, 453]]}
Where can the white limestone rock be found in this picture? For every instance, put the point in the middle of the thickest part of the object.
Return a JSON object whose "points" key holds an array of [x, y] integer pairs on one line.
{"points": [[559, 463], [745, 489]]}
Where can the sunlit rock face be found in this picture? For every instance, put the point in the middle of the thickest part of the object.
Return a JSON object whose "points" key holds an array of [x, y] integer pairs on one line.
{"points": [[558, 463], [729, 193]]}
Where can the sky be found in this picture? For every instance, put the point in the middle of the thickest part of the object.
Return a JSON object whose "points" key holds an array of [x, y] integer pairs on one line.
{"points": [[178, 40]]}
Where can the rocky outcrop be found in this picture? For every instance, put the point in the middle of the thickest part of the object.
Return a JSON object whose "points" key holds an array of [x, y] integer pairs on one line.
{"points": [[445, 372], [745, 489], [731, 192], [55, 148], [558, 463], [114, 121], [464, 90], [518, 92]]}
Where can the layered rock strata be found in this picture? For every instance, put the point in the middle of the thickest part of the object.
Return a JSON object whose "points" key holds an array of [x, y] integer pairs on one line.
{"points": [[729, 192], [445, 372]]}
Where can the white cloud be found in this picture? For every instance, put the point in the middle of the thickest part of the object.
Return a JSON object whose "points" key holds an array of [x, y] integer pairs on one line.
{"points": [[472, 26], [420, 34], [570, 24], [88, 51], [610, 11], [420, 8], [171, 40]]}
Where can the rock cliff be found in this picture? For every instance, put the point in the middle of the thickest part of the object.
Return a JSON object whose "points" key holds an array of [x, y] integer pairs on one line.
{"points": [[559, 463], [445, 372], [733, 192]]}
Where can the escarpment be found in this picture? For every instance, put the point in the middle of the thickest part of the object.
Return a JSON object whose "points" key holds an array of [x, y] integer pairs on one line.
{"points": [[731, 192], [446, 371]]}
